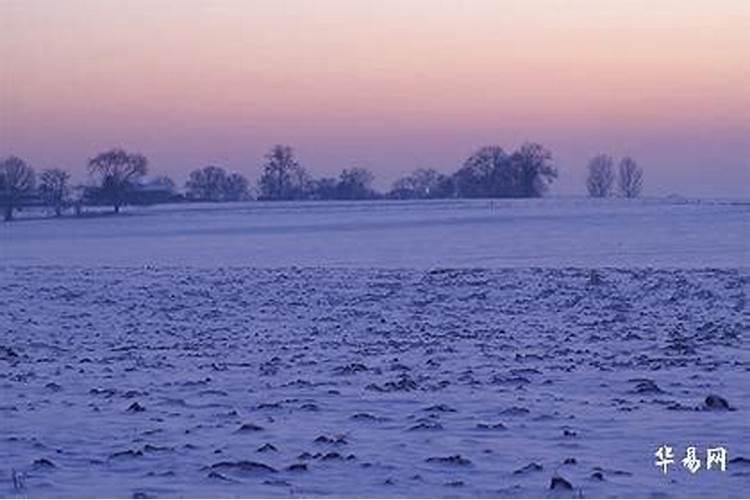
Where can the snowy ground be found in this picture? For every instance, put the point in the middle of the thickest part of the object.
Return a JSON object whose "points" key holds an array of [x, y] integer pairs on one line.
{"points": [[422, 376], [454, 233]]}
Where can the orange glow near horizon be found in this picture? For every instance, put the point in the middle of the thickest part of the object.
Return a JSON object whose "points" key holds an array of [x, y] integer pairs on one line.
{"points": [[391, 85]]}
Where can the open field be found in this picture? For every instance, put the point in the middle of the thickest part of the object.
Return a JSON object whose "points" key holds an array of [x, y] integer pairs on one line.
{"points": [[439, 349], [454, 233]]}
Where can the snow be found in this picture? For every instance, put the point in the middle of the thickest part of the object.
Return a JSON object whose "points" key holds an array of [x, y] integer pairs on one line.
{"points": [[455, 233], [395, 349]]}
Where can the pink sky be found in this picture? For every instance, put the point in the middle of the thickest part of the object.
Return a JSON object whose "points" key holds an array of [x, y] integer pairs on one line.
{"points": [[389, 85]]}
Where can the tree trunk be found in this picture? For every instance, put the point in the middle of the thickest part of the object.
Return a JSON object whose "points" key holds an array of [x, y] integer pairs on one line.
{"points": [[8, 211]]}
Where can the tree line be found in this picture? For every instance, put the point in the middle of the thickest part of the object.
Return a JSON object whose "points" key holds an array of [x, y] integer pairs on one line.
{"points": [[118, 178]]}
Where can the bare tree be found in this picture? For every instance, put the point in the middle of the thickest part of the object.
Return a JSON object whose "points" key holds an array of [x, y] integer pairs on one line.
{"points": [[325, 188], [630, 178], [601, 176], [532, 169], [207, 183], [485, 174], [404, 187], [236, 188], [53, 188], [422, 183], [283, 178], [16, 181], [492, 173], [426, 182], [355, 184], [215, 184], [119, 172]]}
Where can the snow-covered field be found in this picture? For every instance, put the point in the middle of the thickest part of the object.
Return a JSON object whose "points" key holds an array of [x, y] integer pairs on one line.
{"points": [[454, 233], [376, 349]]}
